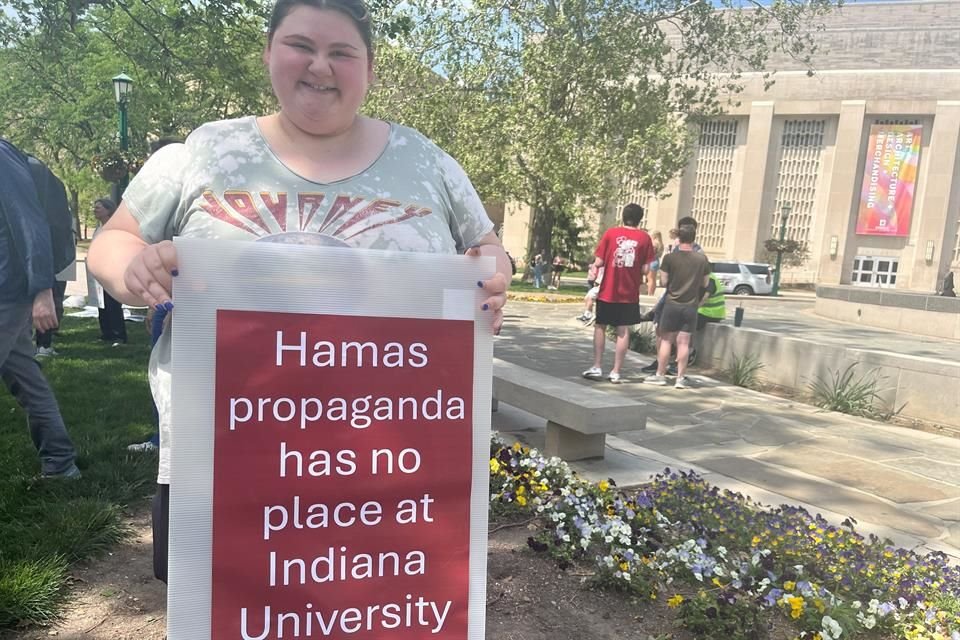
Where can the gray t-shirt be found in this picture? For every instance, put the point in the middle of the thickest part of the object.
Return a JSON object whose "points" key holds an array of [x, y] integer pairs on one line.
{"points": [[224, 182]]}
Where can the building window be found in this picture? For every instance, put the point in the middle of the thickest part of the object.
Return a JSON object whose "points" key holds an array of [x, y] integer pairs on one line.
{"points": [[712, 180], [875, 271], [798, 175]]}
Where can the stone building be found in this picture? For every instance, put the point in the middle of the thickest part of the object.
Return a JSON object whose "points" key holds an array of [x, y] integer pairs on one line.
{"points": [[806, 142]]}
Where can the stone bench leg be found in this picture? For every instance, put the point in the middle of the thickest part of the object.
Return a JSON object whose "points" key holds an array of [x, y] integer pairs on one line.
{"points": [[568, 444]]}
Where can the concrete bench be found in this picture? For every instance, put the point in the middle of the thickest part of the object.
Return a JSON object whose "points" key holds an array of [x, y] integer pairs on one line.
{"points": [[578, 416]]}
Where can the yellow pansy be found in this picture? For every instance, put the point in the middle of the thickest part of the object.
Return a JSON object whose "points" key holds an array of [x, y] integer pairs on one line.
{"points": [[675, 601]]}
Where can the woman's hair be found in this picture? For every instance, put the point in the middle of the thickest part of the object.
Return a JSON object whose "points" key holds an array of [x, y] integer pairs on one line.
{"points": [[674, 233], [657, 241], [356, 10], [107, 204]]}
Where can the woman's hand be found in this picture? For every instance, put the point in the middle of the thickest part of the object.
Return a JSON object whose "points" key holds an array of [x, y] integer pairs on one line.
{"points": [[150, 274], [496, 287]]}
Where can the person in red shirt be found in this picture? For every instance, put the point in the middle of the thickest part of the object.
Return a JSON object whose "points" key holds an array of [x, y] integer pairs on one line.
{"points": [[625, 253]]}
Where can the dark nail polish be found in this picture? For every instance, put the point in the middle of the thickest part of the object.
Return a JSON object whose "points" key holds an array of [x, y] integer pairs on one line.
{"points": [[480, 283], [168, 305], [175, 273], [485, 307]]}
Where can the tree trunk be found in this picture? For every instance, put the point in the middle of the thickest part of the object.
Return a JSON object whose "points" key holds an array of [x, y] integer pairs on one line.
{"points": [[541, 233], [75, 206]]}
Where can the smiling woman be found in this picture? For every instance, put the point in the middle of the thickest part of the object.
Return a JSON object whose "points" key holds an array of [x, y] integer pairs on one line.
{"points": [[315, 167]]}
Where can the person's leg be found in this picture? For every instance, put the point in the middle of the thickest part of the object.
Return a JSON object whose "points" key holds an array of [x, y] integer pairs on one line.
{"points": [[599, 342], [683, 352], [22, 375], [161, 531], [620, 349], [651, 282], [103, 318], [117, 326], [663, 351]]}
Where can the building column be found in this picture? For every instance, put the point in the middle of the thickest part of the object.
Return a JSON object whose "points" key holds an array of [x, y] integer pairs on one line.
{"points": [[843, 183], [746, 200], [931, 211]]}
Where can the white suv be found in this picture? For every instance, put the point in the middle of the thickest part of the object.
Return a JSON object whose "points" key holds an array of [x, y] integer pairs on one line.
{"points": [[744, 278]]}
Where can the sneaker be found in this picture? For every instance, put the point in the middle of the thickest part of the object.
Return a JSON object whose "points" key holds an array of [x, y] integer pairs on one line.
{"points": [[143, 447], [692, 359], [583, 317], [672, 369], [45, 352], [72, 473], [660, 381], [650, 368], [614, 378], [681, 383], [593, 373]]}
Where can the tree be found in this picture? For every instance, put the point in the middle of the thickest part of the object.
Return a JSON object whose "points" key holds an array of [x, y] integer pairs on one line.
{"points": [[553, 98]]}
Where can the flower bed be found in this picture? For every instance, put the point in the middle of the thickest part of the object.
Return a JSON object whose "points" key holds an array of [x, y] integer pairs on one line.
{"points": [[724, 563]]}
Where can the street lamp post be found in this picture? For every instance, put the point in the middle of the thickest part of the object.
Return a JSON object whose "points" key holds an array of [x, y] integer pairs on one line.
{"points": [[122, 84], [784, 214]]}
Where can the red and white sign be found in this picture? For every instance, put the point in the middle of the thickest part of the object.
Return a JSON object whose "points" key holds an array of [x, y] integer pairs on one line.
{"points": [[331, 485]]}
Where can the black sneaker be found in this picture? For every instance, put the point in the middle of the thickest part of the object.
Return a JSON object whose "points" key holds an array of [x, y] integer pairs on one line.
{"points": [[692, 359], [672, 369], [650, 368]]}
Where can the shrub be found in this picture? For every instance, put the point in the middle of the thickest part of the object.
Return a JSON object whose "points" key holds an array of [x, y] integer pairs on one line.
{"points": [[744, 372], [851, 394]]}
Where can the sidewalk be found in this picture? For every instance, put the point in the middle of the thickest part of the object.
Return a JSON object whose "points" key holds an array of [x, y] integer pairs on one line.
{"points": [[896, 482]]}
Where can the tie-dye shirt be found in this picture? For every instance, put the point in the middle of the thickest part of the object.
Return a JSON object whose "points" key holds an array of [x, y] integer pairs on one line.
{"points": [[225, 182]]}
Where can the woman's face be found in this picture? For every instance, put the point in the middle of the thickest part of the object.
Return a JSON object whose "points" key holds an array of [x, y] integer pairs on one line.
{"points": [[319, 68], [101, 212]]}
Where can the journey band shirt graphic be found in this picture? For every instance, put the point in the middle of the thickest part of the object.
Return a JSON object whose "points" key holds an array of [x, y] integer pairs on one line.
{"points": [[225, 182]]}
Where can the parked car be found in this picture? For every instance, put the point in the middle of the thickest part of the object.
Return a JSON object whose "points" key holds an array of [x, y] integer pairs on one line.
{"points": [[744, 278]]}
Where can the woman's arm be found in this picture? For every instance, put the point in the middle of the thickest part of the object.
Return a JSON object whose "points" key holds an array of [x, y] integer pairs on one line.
{"points": [[489, 245], [133, 271]]}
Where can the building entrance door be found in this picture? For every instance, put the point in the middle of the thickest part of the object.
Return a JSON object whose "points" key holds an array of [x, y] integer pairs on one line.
{"points": [[875, 271]]}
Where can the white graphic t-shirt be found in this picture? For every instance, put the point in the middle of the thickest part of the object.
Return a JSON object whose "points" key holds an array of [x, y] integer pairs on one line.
{"points": [[224, 182]]}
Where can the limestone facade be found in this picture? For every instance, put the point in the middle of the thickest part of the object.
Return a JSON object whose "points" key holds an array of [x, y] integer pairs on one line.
{"points": [[804, 142]]}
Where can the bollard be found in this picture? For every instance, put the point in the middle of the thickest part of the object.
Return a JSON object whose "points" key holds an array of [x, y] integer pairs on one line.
{"points": [[738, 316]]}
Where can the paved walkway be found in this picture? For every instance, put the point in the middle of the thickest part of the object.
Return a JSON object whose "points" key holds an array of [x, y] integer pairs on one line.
{"points": [[896, 482]]}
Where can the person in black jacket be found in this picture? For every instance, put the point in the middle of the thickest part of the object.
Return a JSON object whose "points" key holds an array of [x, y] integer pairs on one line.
{"points": [[26, 302]]}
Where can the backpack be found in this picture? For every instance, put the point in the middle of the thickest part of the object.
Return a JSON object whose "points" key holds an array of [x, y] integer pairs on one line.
{"points": [[53, 201]]}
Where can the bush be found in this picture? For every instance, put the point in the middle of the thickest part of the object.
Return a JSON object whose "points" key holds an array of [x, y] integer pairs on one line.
{"points": [[847, 393], [744, 372]]}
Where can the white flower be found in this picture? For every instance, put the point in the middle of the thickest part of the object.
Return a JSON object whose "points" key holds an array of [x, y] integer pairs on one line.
{"points": [[831, 629]]}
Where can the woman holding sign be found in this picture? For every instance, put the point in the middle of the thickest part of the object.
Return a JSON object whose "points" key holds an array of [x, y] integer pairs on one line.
{"points": [[315, 166]]}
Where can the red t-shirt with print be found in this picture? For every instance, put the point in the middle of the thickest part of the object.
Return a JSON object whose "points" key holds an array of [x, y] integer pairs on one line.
{"points": [[624, 251]]}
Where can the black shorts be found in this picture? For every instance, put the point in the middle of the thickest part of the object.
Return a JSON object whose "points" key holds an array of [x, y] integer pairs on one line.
{"points": [[677, 317], [617, 314], [161, 531]]}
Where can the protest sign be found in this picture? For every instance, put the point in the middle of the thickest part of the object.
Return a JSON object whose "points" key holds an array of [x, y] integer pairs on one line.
{"points": [[331, 441]]}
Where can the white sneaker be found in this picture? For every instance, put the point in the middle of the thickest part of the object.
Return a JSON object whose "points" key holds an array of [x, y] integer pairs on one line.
{"points": [[142, 447], [614, 378], [681, 383], [593, 373], [45, 352], [660, 381]]}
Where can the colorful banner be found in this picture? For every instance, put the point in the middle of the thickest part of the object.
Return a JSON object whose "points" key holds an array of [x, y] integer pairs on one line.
{"points": [[331, 430], [889, 180]]}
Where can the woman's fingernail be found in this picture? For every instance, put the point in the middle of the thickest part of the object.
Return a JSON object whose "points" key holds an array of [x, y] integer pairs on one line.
{"points": [[485, 307], [175, 273], [480, 283], [168, 305]]}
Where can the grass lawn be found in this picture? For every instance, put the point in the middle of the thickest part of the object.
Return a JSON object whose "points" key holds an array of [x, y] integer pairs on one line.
{"points": [[47, 525], [518, 286]]}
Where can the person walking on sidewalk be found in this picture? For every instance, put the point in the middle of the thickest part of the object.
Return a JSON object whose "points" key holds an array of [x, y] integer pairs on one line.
{"points": [[685, 274], [112, 326], [26, 303], [625, 254]]}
